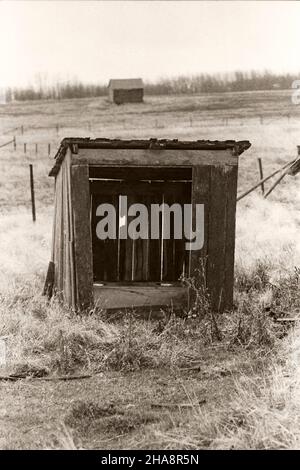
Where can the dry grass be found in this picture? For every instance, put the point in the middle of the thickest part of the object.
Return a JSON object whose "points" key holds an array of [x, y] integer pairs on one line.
{"points": [[262, 413], [242, 351]]}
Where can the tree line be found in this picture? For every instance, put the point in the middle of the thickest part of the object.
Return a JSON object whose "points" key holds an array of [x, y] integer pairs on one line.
{"points": [[202, 83]]}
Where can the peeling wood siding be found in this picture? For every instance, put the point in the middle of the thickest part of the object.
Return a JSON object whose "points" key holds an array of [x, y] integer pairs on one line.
{"points": [[63, 236]]}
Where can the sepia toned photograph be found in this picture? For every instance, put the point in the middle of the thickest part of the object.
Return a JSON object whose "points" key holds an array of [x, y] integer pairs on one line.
{"points": [[149, 229]]}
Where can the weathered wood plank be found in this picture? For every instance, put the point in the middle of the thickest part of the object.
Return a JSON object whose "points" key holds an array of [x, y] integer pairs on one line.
{"points": [[70, 246], [134, 173], [49, 281], [111, 246], [174, 249], [97, 245], [167, 244], [118, 296], [138, 189], [155, 245], [197, 259], [105, 252], [127, 249], [141, 259], [232, 177], [67, 294], [181, 255], [141, 157], [82, 231], [58, 249], [217, 238]]}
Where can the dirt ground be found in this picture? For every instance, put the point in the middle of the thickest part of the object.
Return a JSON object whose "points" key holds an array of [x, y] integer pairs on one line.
{"points": [[113, 409]]}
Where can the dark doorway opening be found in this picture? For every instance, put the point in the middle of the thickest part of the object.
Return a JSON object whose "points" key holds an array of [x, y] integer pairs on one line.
{"points": [[128, 261]]}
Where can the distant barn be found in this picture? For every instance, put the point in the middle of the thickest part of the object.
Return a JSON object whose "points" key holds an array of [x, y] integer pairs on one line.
{"points": [[126, 90]]}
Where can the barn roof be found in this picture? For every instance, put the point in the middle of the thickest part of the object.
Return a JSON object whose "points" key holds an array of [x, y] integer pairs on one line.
{"points": [[237, 147], [126, 83]]}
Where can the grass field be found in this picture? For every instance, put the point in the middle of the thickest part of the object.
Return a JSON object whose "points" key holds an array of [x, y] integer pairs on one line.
{"points": [[182, 383]]}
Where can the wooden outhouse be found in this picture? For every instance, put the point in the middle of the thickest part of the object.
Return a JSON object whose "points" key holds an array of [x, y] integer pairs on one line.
{"points": [[120, 271], [126, 90]]}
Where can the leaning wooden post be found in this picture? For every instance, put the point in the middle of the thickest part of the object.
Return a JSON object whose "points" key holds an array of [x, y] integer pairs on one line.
{"points": [[263, 181], [32, 193], [261, 173], [283, 174]]}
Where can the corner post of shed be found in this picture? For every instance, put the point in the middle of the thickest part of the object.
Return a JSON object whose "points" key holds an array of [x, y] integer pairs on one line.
{"points": [[215, 186], [80, 195]]}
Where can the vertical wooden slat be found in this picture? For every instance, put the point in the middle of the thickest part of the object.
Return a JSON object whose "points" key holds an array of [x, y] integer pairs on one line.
{"points": [[141, 251], [171, 195], [201, 188], [70, 246], [146, 257], [105, 252], [180, 255], [127, 250], [82, 231], [111, 245], [53, 244], [217, 237], [66, 235], [98, 252], [232, 176], [58, 236], [55, 236], [155, 246], [69, 284]]}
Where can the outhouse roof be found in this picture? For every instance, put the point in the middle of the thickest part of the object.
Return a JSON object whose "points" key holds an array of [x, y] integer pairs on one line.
{"points": [[237, 147]]}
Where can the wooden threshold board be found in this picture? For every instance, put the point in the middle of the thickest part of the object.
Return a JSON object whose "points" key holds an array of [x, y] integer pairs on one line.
{"points": [[113, 296]]}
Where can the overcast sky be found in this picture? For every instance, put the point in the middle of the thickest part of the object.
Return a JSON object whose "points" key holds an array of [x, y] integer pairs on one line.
{"points": [[95, 41]]}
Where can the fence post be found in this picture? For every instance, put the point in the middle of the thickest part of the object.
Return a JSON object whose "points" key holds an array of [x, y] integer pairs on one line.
{"points": [[32, 192], [49, 149], [36, 149], [24, 147], [57, 128], [15, 143], [261, 173], [22, 130]]}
